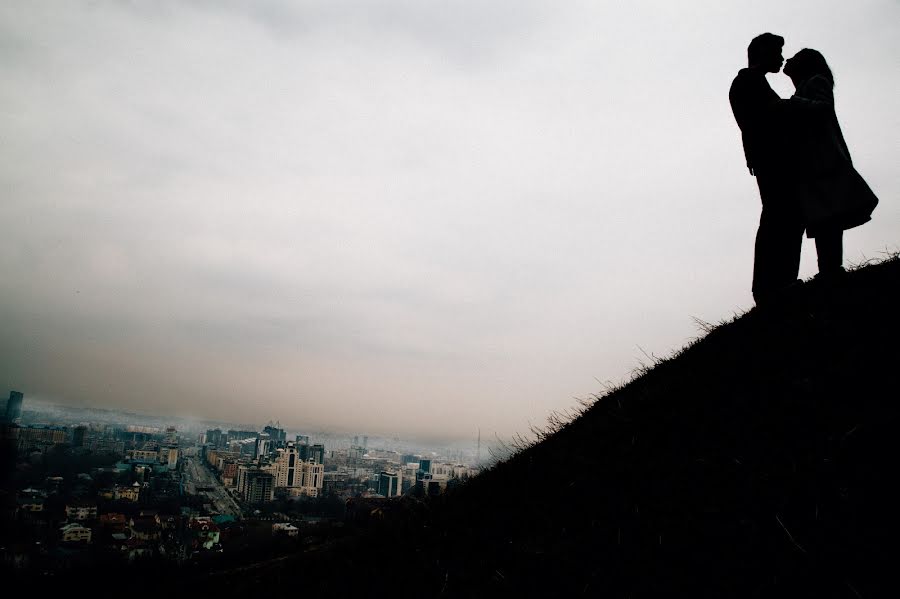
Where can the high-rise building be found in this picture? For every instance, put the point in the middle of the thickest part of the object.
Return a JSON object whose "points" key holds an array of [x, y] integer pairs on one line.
{"points": [[171, 436], [214, 437], [288, 466], [259, 486], [234, 435], [312, 478], [299, 476], [172, 457], [264, 445], [246, 447], [390, 484], [278, 435], [14, 406], [316, 453], [78, 436], [138, 438], [240, 478], [40, 434]]}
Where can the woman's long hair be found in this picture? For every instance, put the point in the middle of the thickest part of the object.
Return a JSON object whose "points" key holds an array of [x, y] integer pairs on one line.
{"points": [[808, 63]]}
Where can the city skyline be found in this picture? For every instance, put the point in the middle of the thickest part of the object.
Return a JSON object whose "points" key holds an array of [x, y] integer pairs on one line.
{"points": [[108, 494], [391, 217], [41, 412]]}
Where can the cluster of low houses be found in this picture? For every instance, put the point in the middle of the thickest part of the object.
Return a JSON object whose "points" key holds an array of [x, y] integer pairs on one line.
{"points": [[133, 536], [146, 533]]}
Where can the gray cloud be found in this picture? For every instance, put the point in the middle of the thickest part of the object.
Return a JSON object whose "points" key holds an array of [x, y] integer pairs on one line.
{"points": [[394, 216]]}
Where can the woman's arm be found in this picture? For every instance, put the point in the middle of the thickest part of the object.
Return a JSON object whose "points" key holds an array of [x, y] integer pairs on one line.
{"points": [[815, 94]]}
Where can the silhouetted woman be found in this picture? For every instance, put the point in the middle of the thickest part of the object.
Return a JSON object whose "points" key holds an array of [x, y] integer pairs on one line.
{"points": [[834, 196]]}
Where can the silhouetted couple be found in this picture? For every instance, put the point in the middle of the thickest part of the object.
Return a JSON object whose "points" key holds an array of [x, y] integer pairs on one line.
{"points": [[797, 153]]}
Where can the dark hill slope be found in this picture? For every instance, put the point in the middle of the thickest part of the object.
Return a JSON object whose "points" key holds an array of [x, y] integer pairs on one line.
{"points": [[758, 462]]}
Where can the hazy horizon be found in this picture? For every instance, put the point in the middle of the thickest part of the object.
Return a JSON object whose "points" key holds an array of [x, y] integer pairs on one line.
{"points": [[316, 433], [400, 217]]}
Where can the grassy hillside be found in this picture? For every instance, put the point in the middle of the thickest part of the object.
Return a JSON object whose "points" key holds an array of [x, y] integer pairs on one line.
{"points": [[759, 461]]}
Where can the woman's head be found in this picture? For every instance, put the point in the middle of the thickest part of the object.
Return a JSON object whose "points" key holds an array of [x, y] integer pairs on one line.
{"points": [[807, 63]]}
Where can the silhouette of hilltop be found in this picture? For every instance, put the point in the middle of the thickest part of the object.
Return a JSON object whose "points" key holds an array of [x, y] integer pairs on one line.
{"points": [[756, 462]]}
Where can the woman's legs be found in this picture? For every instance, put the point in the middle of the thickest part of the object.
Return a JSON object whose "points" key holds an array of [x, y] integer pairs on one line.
{"points": [[830, 251]]}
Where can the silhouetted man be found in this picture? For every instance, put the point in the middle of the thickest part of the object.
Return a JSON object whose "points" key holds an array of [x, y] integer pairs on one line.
{"points": [[757, 110]]}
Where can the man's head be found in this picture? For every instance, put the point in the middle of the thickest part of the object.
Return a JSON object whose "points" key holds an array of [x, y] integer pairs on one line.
{"points": [[764, 52]]}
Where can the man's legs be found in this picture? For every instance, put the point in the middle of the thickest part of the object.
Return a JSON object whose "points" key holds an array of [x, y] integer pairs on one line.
{"points": [[777, 253]]}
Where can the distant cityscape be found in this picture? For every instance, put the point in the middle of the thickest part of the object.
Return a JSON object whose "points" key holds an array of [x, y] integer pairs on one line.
{"points": [[100, 486]]}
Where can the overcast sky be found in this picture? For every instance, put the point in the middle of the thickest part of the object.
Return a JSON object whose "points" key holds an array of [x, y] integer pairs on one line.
{"points": [[403, 217]]}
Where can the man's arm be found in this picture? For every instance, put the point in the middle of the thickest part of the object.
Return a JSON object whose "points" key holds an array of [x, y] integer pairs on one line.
{"points": [[738, 97], [754, 104]]}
